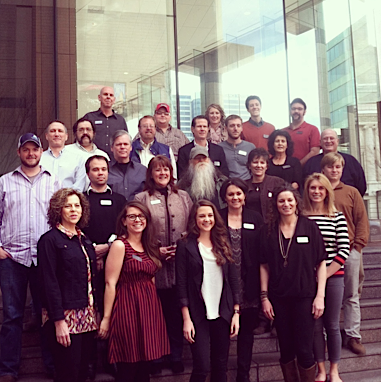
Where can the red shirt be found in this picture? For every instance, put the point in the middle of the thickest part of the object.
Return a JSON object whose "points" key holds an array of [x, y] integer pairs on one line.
{"points": [[258, 135], [304, 137]]}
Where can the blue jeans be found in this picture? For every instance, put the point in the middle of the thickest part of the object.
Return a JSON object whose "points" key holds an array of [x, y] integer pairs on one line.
{"points": [[14, 278]]}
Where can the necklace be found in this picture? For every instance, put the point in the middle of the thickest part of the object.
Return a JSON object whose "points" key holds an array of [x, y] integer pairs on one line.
{"points": [[281, 246]]}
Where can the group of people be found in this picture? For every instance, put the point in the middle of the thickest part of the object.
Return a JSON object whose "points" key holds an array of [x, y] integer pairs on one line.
{"points": [[134, 245]]}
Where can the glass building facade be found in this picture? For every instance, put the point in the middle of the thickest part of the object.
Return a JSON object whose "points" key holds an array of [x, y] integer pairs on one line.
{"points": [[56, 56]]}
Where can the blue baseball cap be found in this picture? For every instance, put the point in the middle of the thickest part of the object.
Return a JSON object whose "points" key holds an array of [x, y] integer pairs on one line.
{"points": [[29, 137]]}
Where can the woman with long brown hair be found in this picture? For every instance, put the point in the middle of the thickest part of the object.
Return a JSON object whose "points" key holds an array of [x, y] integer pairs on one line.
{"points": [[132, 312], [293, 276], [208, 289]]}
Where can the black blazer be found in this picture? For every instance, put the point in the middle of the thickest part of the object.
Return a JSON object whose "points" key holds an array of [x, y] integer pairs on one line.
{"points": [[216, 154], [63, 272], [251, 223], [189, 277]]}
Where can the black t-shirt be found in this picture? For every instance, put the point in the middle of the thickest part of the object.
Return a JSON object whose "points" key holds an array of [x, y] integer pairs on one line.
{"points": [[104, 210], [307, 250], [253, 198], [290, 171]]}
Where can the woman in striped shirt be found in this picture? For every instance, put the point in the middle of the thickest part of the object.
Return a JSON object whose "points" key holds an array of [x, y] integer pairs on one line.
{"points": [[319, 206]]}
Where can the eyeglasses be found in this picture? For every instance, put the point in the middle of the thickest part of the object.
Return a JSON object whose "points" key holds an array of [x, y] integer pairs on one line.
{"points": [[297, 109], [133, 217]]}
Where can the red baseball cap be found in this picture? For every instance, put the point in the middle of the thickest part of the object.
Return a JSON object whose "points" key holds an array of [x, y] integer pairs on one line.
{"points": [[166, 107]]}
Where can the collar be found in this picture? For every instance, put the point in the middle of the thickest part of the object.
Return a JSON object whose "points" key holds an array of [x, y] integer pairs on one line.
{"points": [[82, 148], [69, 234], [255, 123], [162, 131], [51, 152], [299, 127], [146, 146], [112, 115], [207, 144], [339, 186], [20, 171], [108, 188]]}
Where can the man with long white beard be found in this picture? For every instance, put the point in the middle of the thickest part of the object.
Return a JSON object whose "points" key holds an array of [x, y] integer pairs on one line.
{"points": [[202, 180]]}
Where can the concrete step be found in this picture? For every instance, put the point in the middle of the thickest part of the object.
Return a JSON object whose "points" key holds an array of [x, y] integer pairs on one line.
{"points": [[372, 272], [370, 308], [371, 289], [372, 256]]}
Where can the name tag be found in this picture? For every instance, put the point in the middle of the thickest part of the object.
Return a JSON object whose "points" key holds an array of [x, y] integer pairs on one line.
{"points": [[241, 152], [299, 132], [286, 166], [217, 163], [302, 239], [270, 194], [98, 122], [248, 226], [156, 201], [137, 258], [105, 202], [265, 136]]}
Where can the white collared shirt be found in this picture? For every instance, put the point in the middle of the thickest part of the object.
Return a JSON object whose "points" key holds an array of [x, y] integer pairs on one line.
{"points": [[69, 167]]}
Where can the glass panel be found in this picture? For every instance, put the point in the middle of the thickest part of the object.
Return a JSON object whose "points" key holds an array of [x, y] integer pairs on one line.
{"points": [[230, 50], [127, 45]]}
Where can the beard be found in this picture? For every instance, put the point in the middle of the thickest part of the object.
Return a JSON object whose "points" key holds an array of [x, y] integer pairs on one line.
{"points": [[203, 185]]}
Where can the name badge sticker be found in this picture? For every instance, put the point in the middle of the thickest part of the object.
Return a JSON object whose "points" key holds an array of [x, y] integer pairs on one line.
{"points": [[265, 136], [241, 152], [286, 166], [248, 225], [270, 194], [137, 258], [302, 239], [98, 122], [217, 163], [105, 202], [156, 201], [299, 132]]}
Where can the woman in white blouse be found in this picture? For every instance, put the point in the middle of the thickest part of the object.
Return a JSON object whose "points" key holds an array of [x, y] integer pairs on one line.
{"points": [[208, 289]]}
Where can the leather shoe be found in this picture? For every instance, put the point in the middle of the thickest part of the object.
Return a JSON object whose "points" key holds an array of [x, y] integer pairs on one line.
{"points": [[355, 346]]}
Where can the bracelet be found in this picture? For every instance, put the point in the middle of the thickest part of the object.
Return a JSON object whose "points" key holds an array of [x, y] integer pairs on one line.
{"points": [[237, 311]]}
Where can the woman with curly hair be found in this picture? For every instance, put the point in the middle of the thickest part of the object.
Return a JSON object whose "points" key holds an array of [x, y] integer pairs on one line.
{"points": [[208, 289], [216, 115], [293, 275], [283, 164], [67, 264], [133, 317]]}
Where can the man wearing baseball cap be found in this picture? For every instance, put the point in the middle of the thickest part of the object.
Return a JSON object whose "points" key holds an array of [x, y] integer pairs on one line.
{"points": [[165, 133], [202, 180], [24, 200]]}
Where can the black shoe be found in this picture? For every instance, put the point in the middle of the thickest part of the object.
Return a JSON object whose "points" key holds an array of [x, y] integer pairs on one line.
{"points": [[155, 368], [177, 367]]}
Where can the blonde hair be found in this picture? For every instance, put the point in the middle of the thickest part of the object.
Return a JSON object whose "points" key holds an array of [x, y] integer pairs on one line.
{"points": [[329, 200], [330, 159]]}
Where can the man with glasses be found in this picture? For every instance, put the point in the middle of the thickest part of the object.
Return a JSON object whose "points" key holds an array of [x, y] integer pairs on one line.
{"points": [[165, 133], [353, 173], [106, 120], [84, 132], [147, 147], [306, 137]]}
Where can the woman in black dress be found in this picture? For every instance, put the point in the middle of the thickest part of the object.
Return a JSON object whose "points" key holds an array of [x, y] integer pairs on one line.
{"points": [[282, 163]]}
